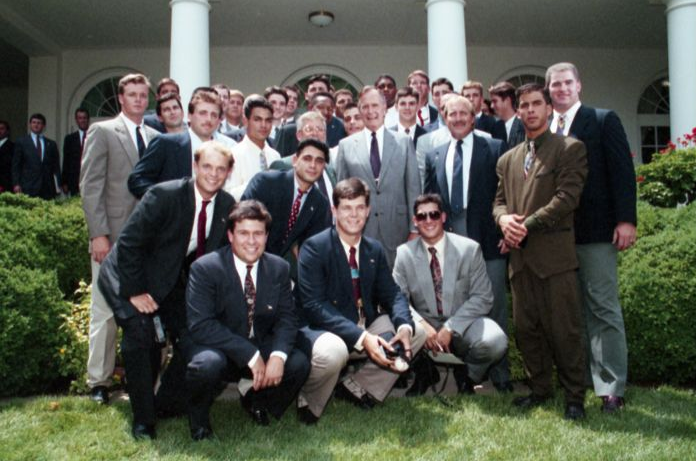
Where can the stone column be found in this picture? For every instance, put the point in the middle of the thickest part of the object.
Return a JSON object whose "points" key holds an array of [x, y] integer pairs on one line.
{"points": [[681, 36], [189, 54], [447, 41]]}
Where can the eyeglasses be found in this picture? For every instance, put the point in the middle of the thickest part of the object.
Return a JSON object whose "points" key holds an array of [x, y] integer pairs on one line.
{"points": [[433, 215]]}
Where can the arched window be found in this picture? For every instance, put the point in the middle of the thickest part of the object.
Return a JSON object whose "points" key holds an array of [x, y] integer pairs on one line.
{"points": [[338, 77], [523, 79], [101, 101], [653, 117]]}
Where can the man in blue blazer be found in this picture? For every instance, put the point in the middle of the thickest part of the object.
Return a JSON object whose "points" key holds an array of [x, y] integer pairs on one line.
{"points": [[468, 206], [36, 162], [348, 296], [605, 223], [73, 146]]}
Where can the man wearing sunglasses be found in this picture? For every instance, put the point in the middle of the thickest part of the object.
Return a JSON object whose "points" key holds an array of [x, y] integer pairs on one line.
{"points": [[453, 307]]}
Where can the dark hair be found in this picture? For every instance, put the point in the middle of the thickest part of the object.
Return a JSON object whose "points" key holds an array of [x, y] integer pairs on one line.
{"points": [[81, 109], [6, 123], [167, 97], [249, 209], [320, 78], [407, 92], [532, 88], [313, 142], [294, 88], [427, 198], [350, 189], [442, 81], [323, 94], [255, 101], [205, 96], [167, 81], [275, 90], [504, 90], [418, 72], [383, 76], [350, 105], [38, 116], [203, 89]]}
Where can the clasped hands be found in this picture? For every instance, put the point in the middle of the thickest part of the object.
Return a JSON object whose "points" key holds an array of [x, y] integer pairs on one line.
{"points": [[376, 345]]}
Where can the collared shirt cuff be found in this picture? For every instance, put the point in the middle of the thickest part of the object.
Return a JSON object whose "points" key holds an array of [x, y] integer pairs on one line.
{"points": [[283, 356], [359, 343], [447, 327], [408, 327], [253, 360]]}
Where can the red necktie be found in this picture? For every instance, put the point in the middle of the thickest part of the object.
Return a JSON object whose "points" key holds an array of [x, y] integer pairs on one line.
{"points": [[200, 238], [420, 117], [294, 211], [436, 272], [249, 297]]}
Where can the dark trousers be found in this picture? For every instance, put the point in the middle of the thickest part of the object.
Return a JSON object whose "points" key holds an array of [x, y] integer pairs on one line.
{"points": [[548, 329]]}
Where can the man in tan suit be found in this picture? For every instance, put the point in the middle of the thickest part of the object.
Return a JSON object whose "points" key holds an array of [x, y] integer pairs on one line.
{"points": [[111, 150], [540, 185]]}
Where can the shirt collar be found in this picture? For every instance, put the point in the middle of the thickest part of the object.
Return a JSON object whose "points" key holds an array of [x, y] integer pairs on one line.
{"points": [[539, 140], [439, 246], [199, 198], [570, 113]]}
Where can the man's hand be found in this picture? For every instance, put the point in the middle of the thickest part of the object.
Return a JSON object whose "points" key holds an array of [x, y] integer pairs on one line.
{"points": [[17, 189], [444, 338], [513, 229], [100, 248], [624, 235], [430, 337], [144, 303], [274, 372], [371, 344], [258, 371], [503, 247]]}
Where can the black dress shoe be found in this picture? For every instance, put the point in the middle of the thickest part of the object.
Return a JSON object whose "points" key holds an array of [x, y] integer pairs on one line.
{"points": [[529, 401], [422, 383], [99, 394], [305, 416], [144, 431], [504, 387], [464, 384], [402, 382], [199, 433], [612, 403], [574, 411], [258, 415], [364, 403]]}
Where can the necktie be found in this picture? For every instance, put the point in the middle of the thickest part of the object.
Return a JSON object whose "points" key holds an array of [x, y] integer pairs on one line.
{"points": [[249, 297], [200, 236], [375, 162], [457, 194], [294, 211], [529, 159], [38, 146], [560, 128], [263, 163], [420, 117], [82, 144], [436, 273], [140, 142], [355, 278]]}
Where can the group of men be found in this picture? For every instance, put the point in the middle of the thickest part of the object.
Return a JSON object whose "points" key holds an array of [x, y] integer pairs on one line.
{"points": [[274, 249]]}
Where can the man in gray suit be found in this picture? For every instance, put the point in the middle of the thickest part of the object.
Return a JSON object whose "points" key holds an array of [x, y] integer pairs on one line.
{"points": [[112, 149], [452, 304], [386, 161]]}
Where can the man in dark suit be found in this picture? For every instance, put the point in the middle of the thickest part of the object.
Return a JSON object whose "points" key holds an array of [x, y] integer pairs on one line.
{"points": [[164, 86], [407, 106], [73, 145], [144, 276], [605, 223], [6, 153], [540, 185], [170, 156], [473, 91], [36, 162], [462, 172], [243, 324], [351, 303], [420, 82], [508, 128]]}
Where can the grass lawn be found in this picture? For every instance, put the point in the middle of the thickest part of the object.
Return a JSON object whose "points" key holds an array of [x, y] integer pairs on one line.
{"points": [[657, 424]]}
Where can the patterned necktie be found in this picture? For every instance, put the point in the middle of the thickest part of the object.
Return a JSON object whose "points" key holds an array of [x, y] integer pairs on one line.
{"points": [[375, 162], [38, 146], [355, 278], [294, 211], [529, 159], [560, 128], [249, 297], [436, 272], [140, 142], [200, 236], [457, 194], [263, 163]]}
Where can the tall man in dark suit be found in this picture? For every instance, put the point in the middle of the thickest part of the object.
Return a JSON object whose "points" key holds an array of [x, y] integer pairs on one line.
{"points": [[605, 223], [462, 172], [144, 277], [540, 185], [508, 128], [406, 107], [36, 162], [6, 153], [386, 161], [351, 303], [111, 150], [473, 91], [73, 146], [243, 324]]}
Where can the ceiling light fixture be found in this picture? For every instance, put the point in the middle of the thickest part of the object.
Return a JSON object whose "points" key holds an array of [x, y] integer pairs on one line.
{"points": [[321, 18]]}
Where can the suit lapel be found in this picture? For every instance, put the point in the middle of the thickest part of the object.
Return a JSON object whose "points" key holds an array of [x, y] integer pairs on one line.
{"points": [[389, 147], [449, 276], [264, 287], [367, 267], [420, 257], [579, 126], [186, 156], [341, 265], [126, 142], [441, 159], [218, 226], [477, 172], [363, 154]]}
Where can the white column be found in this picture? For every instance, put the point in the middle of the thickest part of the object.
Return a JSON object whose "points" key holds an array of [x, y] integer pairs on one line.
{"points": [[189, 54], [447, 41], [681, 38]]}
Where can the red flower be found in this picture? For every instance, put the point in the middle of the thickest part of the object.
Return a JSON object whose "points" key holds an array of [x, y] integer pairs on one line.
{"points": [[693, 131], [640, 178]]}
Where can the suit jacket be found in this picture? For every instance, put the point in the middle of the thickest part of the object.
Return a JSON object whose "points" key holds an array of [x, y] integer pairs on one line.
{"points": [[37, 176], [152, 120], [6, 154], [109, 157], [151, 250], [609, 196], [485, 123], [391, 200], [285, 164], [547, 197], [419, 131], [72, 157], [428, 142], [483, 183], [286, 138], [326, 288], [275, 189], [517, 134], [466, 288], [217, 313], [236, 134], [167, 157]]}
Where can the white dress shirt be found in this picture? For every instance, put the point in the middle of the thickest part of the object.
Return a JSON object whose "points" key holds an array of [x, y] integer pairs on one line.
{"points": [[569, 117], [379, 134], [193, 240], [467, 148], [131, 126], [247, 163]]}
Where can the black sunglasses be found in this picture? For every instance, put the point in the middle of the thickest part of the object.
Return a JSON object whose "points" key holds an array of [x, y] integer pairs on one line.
{"points": [[433, 215]]}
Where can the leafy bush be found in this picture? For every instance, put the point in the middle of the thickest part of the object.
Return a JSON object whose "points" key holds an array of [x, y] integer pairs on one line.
{"points": [[657, 281], [670, 178]]}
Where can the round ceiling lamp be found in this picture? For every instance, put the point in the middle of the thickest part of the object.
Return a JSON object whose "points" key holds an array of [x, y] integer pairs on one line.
{"points": [[321, 18]]}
